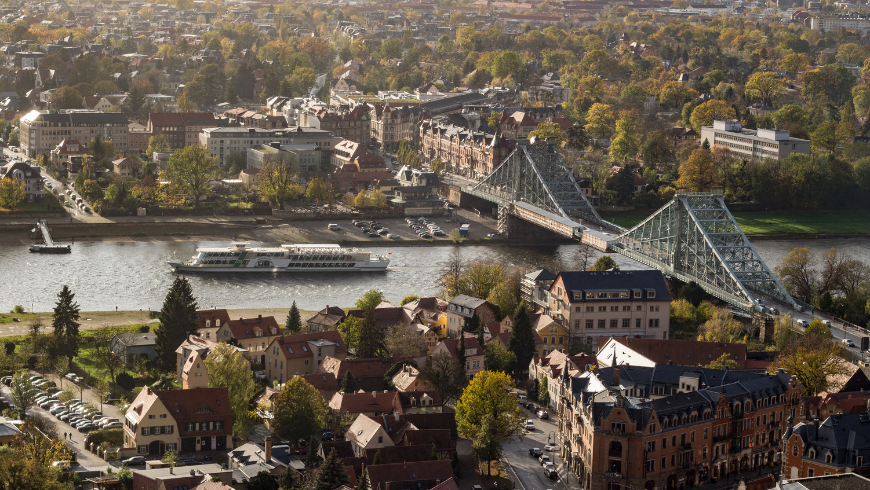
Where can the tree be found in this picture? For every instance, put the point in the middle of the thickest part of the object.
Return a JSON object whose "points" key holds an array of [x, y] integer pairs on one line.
{"points": [[371, 341], [522, 339], [461, 353], [794, 63], [228, 368], [22, 392], [103, 352], [190, 169], [494, 121], [183, 101], [851, 53], [59, 367], [294, 319], [625, 142], [710, 111], [698, 173], [178, 320], [65, 323], [721, 328], [831, 136], [409, 299], [505, 295], [263, 481], [819, 330], [676, 94], [278, 180], [364, 482], [21, 472], [507, 63], [11, 192], [766, 86], [348, 384], [156, 143], [66, 98], [299, 412], [723, 362], [445, 374], [814, 361], [797, 273], [548, 132], [497, 358], [103, 391], [332, 474], [604, 263], [488, 410], [544, 395], [315, 190], [599, 121], [370, 300], [405, 341]]}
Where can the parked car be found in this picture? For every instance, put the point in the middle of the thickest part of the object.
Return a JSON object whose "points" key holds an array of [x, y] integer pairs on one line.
{"points": [[551, 473], [393, 236], [373, 234], [327, 436], [530, 425], [551, 447], [112, 425], [848, 343], [6, 380], [545, 460], [535, 452], [135, 460], [543, 415], [86, 427], [60, 465]]}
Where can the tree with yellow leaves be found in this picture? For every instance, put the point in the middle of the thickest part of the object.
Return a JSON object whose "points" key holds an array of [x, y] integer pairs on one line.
{"points": [[721, 328], [11, 193], [487, 413], [710, 111], [815, 359], [697, 173], [766, 86]]}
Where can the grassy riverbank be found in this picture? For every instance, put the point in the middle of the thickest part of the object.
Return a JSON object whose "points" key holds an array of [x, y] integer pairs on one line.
{"points": [[784, 224]]}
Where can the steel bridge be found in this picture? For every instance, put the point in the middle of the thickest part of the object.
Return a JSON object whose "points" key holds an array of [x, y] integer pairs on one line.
{"points": [[692, 238]]}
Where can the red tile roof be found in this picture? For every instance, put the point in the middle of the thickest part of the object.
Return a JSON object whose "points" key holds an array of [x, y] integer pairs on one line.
{"points": [[364, 402], [361, 368], [249, 328], [381, 474], [198, 405], [295, 346], [683, 352], [211, 316]]}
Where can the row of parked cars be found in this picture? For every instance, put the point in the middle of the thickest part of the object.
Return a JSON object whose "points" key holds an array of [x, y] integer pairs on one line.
{"points": [[546, 463], [80, 415], [424, 227], [373, 229]]}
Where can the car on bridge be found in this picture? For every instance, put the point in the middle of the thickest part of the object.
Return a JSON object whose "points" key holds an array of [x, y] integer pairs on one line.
{"points": [[849, 343]]}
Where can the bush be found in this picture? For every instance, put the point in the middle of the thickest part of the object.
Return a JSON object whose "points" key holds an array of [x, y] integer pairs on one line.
{"points": [[18, 309], [125, 381], [144, 329], [114, 437]]}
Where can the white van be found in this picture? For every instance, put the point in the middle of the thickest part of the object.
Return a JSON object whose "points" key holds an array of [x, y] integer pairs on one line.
{"points": [[333, 227]]}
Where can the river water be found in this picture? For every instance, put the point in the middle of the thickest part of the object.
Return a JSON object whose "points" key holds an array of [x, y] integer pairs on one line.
{"points": [[134, 275]]}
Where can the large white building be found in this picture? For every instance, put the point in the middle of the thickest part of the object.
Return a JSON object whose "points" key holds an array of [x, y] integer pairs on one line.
{"points": [[752, 143], [41, 131], [223, 141], [831, 23]]}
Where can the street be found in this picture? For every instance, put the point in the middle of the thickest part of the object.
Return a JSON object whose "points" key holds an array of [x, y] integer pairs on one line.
{"points": [[527, 470]]}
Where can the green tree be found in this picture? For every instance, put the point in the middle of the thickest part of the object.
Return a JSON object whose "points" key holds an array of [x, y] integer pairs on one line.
{"points": [[65, 323], [625, 141], [722, 328], [178, 320], [294, 319], [604, 263], [494, 120], [348, 384], [851, 53], [522, 339], [299, 412], [228, 368], [599, 120], [508, 63], [831, 136], [461, 354], [263, 481], [371, 341], [370, 300], [156, 143], [278, 180], [315, 190], [332, 474], [190, 169], [487, 409], [485, 444], [765, 86], [794, 63], [66, 98], [819, 329], [724, 362], [409, 299], [11, 193], [548, 132], [497, 358], [21, 392], [544, 395]]}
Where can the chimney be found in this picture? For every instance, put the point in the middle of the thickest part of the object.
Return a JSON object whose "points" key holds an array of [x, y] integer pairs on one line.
{"points": [[170, 470], [616, 376], [374, 395], [268, 444], [259, 318], [815, 429]]}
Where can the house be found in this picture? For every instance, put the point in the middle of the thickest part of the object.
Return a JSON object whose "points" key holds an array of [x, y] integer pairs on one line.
{"points": [[96, 103], [134, 347], [172, 478], [368, 373], [859, 381], [473, 353], [616, 351], [385, 315], [179, 420], [326, 319], [535, 289], [196, 344], [295, 355], [267, 454], [418, 475], [386, 402], [459, 310], [325, 383], [838, 445], [67, 152], [824, 405], [367, 433], [209, 321], [127, 167], [252, 334], [553, 335], [408, 379], [30, 178], [417, 192], [8, 433]]}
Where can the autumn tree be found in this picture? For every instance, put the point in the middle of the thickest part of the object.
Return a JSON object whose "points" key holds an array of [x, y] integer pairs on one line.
{"points": [[22, 392], [548, 132], [831, 136], [697, 173], [794, 63], [103, 352], [405, 341], [299, 411], [712, 110], [66, 98], [190, 169], [156, 143], [814, 359], [228, 368], [723, 362], [445, 374], [722, 328], [278, 181], [599, 121], [798, 274], [11, 192], [766, 86], [315, 190], [604, 263], [489, 411], [626, 141]]}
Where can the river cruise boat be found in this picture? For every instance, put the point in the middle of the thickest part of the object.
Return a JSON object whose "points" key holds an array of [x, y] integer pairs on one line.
{"points": [[286, 258]]}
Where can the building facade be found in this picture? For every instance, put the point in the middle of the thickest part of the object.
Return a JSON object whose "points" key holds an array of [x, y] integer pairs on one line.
{"points": [[41, 131], [471, 154], [180, 129], [301, 354], [835, 446], [221, 142], [752, 143], [30, 178], [391, 125]]}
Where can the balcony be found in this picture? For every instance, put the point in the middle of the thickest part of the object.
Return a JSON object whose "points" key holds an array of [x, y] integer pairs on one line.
{"points": [[721, 438], [685, 446]]}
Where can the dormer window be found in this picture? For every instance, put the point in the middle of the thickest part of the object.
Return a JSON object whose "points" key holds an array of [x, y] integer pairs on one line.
{"points": [[207, 323], [650, 294], [637, 294]]}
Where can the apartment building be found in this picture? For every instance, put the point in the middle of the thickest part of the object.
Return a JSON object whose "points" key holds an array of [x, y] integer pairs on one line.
{"points": [[829, 23], [611, 303], [469, 153], [836, 446], [667, 427], [30, 178], [180, 129], [391, 125], [223, 141], [297, 355], [753, 143], [352, 124], [306, 156], [41, 131], [251, 334], [459, 310], [197, 419]]}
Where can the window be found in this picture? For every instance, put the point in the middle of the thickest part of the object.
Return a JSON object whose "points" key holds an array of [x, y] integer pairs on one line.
{"points": [[650, 294], [664, 462], [653, 323], [664, 442], [151, 416], [705, 433], [142, 449], [794, 450], [380, 439], [589, 324], [602, 323], [146, 431], [590, 309], [614, 323], [639, 308], [828, 458], [650, 465], [637, 323], [637, 294], [626, 323], [811, 472]]}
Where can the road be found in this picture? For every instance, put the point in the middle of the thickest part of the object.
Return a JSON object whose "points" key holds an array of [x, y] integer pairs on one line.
{"points": [[527, 469], [73, 210]]}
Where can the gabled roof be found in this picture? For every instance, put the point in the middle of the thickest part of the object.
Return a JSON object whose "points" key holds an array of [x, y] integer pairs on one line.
{"points": [[249, 328], [575, 282], [417, 471], [212, 316], [361, 368], [295, 346], [378, 401], [645, 351]]}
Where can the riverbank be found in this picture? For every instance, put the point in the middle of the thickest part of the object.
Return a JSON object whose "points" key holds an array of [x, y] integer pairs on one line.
{"points": [[91, 320], [784, 225]]}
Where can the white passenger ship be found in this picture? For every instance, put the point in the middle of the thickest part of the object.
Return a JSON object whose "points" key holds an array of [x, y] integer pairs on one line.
{"points": [[286, 258]]}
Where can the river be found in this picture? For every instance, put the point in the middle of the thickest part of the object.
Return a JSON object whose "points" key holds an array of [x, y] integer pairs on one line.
{"points": [[134, 275]]}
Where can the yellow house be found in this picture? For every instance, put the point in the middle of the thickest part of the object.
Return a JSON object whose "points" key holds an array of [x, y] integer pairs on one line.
{"points": [[194, 373], [440, 326], [553, 335]]}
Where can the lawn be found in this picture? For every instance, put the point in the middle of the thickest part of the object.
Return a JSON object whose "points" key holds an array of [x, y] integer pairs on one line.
{"points": [[817, 222], [49, 204]]}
